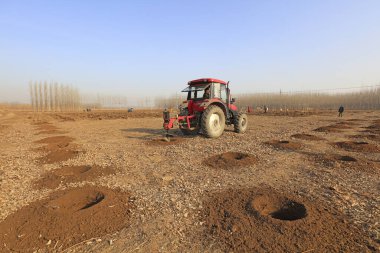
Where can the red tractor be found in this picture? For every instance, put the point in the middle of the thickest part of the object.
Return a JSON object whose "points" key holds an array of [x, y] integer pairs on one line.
{"points": [[208, 108]]}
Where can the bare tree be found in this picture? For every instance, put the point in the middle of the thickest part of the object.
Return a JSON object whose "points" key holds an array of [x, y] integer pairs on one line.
{"points": [[32, 97]]}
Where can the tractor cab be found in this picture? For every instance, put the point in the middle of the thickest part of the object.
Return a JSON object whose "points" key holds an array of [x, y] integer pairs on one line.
{"points": [[203, 92], [207, 88]]}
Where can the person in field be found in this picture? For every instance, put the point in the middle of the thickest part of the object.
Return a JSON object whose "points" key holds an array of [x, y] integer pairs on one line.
{"points": [[341, 110]]}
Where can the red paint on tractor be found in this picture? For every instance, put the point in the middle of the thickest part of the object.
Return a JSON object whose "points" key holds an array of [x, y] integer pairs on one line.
{"points": [[206, 80]]}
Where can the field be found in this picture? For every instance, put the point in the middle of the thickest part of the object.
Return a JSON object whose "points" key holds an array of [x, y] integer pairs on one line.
{"points": [[106, 181]]}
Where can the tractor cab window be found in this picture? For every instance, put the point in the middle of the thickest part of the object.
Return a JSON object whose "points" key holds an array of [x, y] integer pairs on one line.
{"points": [[196, 92], [223, 93], [216, 90]]}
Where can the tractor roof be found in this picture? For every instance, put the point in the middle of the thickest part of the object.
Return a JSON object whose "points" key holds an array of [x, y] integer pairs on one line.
{"points": [[205, 80]]}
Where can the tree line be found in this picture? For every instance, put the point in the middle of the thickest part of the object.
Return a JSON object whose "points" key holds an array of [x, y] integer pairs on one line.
{"points": [[54, 97], [361, 99]]}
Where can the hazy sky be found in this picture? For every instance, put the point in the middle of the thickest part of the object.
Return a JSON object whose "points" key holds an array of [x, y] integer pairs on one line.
{"points": [[149, 48]]}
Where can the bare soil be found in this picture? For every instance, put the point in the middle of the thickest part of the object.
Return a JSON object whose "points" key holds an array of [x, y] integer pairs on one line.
{"points": [[359, 146], [307, 137], [230, 160], [335, 128], [106, 115], [285, 144], [57, 149], [264, 220], [272, 189], [65, 218], [72, 174], [165, 141]]}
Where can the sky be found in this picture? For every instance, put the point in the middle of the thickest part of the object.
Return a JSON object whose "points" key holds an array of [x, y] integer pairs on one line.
{"points": [[152, 48]]}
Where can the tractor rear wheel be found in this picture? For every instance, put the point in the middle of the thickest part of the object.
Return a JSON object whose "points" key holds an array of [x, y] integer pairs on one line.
{"points": [[213, 121], [241, 123]]}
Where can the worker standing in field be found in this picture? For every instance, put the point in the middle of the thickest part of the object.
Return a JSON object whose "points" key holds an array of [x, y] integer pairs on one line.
{"points": [[341, 110]]}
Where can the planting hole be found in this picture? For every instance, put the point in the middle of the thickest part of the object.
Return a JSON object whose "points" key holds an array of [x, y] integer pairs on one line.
{"points": [[240, 156], [278, 207], [290, 211], [347, 158], [93, 201], [230, 160]]}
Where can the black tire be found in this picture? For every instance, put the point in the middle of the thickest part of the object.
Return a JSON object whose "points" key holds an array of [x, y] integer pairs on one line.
{"points": [[213, 121], [241, 123]]}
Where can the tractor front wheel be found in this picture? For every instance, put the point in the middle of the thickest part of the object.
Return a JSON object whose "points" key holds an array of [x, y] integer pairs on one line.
{"points": [[241, 123], [213, 121]]}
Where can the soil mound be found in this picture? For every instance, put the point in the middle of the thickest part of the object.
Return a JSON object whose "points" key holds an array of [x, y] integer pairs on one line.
{"points": [[335, 161], [46, 127], [65, 218], [263, 220], [166, 141], [307, 137], [51, 132], [375, 128], [344, 125], [230, 160], [56, 140], [357, 146], [59, 155], [3, 127], [286, 145], [330, 160], [327, 129], [335, 128], [38, 123], [71, 174], [58, 148], [373, 137]]}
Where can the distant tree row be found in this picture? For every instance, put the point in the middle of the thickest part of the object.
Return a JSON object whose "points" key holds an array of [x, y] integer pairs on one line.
{"points": [[361, 99], [104, 101], [364, 99], [54, 97], [172, 101]]}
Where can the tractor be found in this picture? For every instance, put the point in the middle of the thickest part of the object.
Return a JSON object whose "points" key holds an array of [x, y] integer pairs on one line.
{"points": [[207, 109]]}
